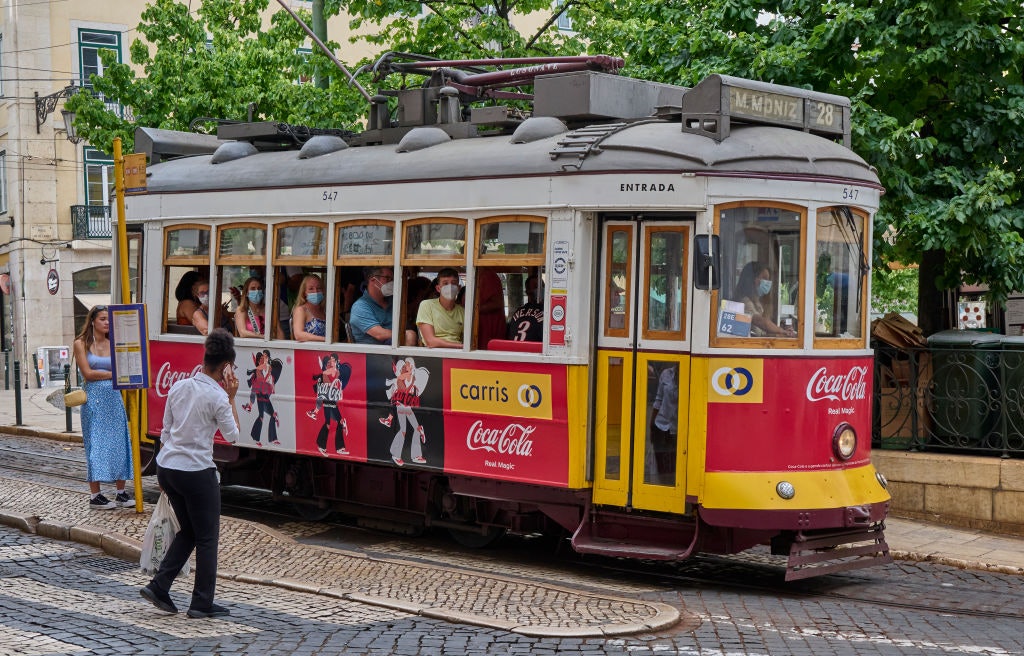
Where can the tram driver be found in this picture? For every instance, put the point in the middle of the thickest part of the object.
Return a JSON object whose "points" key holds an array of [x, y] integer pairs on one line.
{"points": [[755, 283], [441, 320]]}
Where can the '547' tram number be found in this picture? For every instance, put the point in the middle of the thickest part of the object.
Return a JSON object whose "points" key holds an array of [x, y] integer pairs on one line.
{"points": [[330, 195]]}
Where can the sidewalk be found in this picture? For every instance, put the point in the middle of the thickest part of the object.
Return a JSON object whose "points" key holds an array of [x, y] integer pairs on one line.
{"points": [[253, 553]]}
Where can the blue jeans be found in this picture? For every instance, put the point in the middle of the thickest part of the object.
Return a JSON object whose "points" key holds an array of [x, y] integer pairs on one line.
{"points": [[195, 497]]}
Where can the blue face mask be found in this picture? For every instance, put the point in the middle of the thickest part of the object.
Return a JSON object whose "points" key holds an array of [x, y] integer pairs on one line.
{"points": [[255, 295], [764, 286], [316, 298]]}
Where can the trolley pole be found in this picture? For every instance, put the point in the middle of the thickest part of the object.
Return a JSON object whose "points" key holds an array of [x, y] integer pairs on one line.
{"points": [[67, 390], [7, 370], [131, 397], [17, 392]]}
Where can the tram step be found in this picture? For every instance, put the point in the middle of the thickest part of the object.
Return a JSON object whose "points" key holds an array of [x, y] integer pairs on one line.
{"points": [[624, 537]]}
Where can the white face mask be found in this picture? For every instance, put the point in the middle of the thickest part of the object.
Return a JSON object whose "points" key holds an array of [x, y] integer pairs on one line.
{"points": [[203, 298], [450, 291], [388, 288]]}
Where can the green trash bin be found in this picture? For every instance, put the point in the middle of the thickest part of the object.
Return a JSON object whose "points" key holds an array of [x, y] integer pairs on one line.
{"points": [[1013, 389], [965, 387]]}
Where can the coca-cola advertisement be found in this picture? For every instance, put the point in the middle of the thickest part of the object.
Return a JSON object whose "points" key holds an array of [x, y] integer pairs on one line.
{"points": [[264, 398], [331, 404], [169, 363], [760, 434], [507, 421], [404, 404]]}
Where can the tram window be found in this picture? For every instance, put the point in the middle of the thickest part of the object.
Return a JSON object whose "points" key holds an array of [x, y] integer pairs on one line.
{"points": [[432, 247], [241, 268], [186, 266], [663, 423], [417, 287], [289, 280], [440, 320], [840, 266], [300, 260], [665, 297], [760, 294], [364, 281], [617, 281]]}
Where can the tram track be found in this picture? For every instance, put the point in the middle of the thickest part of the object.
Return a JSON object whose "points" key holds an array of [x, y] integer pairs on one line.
{"points": [[751, 572]]}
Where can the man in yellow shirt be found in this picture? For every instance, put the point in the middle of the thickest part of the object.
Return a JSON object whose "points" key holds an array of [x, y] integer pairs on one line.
{"points": [[441, 320]]}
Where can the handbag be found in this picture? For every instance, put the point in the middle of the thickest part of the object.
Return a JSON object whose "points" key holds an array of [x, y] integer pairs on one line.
{"points": [[75, 398], [163, 526]]}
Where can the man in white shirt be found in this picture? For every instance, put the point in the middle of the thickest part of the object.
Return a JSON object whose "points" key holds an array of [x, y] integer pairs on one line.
{"points": [[196, 409]]}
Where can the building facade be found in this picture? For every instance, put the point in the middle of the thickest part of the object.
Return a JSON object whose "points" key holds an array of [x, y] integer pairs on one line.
{"points": [[56, 197]]}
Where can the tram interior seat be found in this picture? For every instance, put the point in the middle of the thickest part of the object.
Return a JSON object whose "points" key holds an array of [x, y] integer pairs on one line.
{"points": [[175, 329], [514, 345]]}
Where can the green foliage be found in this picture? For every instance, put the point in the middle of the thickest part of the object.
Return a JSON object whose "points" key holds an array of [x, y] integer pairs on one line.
{"points": [[937, 88], [186, 77], [894, 290], [937, 92]]}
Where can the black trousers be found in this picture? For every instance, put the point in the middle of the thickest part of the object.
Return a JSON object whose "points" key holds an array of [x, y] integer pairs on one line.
{"points": [[195, 497]]}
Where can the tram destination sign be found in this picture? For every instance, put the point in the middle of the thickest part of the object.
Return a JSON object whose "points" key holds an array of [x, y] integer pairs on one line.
{"points": [[724, 99]]}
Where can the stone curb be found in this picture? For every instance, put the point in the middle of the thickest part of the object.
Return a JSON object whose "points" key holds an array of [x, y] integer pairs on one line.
{"points": [[958, 563], [128, 549], [30, 431]]}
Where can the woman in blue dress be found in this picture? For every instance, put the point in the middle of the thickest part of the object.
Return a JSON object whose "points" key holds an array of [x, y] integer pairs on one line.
{"points": [[108, 451]]}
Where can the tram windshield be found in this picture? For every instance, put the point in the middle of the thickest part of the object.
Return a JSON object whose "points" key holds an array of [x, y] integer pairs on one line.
{"points": [[761, 247], [840, 268]]}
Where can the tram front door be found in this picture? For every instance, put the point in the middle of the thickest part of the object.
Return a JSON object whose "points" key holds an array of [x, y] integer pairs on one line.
{"points": [[643, 364]]}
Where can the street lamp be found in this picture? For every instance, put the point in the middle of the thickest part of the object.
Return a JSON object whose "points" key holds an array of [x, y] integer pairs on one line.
{"points": [[69, 126], [46, 104]]}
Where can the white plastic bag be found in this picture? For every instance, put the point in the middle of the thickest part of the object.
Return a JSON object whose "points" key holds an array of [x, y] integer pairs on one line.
{"points": [[163, 526]]}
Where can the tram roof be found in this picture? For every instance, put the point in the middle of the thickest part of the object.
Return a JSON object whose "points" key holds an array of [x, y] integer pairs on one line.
{"points": [[645, 146]]}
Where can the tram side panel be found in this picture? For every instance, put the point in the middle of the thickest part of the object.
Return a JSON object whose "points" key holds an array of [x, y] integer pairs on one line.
{"points": [[495, 420]]}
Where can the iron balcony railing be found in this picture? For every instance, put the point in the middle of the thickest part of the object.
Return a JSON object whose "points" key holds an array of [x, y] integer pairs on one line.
{"points": [[91, 221], [963, 399]]}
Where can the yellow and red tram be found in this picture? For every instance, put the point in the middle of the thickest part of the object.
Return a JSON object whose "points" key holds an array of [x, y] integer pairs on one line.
{"points": [[666, 410]]}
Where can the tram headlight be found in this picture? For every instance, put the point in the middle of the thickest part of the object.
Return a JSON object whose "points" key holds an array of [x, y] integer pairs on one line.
{"points": [[844, 441], [882, 480], [785, 490]]}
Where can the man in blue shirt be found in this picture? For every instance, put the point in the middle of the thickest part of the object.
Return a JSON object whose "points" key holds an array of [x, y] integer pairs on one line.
{"points": [[370, 318]]}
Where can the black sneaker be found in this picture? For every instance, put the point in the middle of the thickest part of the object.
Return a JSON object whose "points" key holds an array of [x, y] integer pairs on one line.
{"points": [[161, 601], [213, 611], [100, 502], [123, 500]]}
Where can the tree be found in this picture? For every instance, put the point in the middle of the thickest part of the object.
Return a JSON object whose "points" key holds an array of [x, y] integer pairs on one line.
{"points": [[465, 29], [938, 100], [186, 76]]}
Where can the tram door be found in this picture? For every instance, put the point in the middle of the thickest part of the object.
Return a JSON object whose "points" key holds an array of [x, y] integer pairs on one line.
{"points": [[642, 365]]}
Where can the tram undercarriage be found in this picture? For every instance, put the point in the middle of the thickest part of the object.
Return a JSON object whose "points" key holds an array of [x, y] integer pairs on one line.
{"points": [[477, 512]]}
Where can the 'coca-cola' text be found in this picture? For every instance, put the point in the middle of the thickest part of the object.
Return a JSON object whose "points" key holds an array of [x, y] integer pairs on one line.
{"points": [[513, 439], [850, 386]]}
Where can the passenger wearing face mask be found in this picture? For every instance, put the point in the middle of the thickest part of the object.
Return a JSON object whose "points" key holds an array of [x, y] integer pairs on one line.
{"points": [[370, 318], [441, 320], [755, 283], [309, 318], [251, 315], [201, 315]]}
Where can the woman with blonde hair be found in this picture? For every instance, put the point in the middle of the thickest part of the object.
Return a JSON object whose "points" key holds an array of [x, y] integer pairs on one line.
{"points": [[309, 318], [251, 315], [108, 450]]}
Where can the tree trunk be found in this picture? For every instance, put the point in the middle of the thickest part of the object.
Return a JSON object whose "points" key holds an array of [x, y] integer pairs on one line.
{"points": [[933, 312]]}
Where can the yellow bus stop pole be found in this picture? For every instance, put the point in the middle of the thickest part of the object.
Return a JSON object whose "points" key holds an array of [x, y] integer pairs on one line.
{"points": [[131, 397]]}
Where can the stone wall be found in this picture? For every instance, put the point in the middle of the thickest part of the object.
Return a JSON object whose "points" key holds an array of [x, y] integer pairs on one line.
{"points": [[984, 493]]}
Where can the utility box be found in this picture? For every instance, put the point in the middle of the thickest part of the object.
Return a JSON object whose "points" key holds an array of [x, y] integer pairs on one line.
{"points": [[50, 362]]}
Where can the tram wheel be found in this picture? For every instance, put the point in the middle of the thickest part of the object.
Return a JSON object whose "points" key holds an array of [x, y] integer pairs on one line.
{"points": [[311, 512], [476, 539]]}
